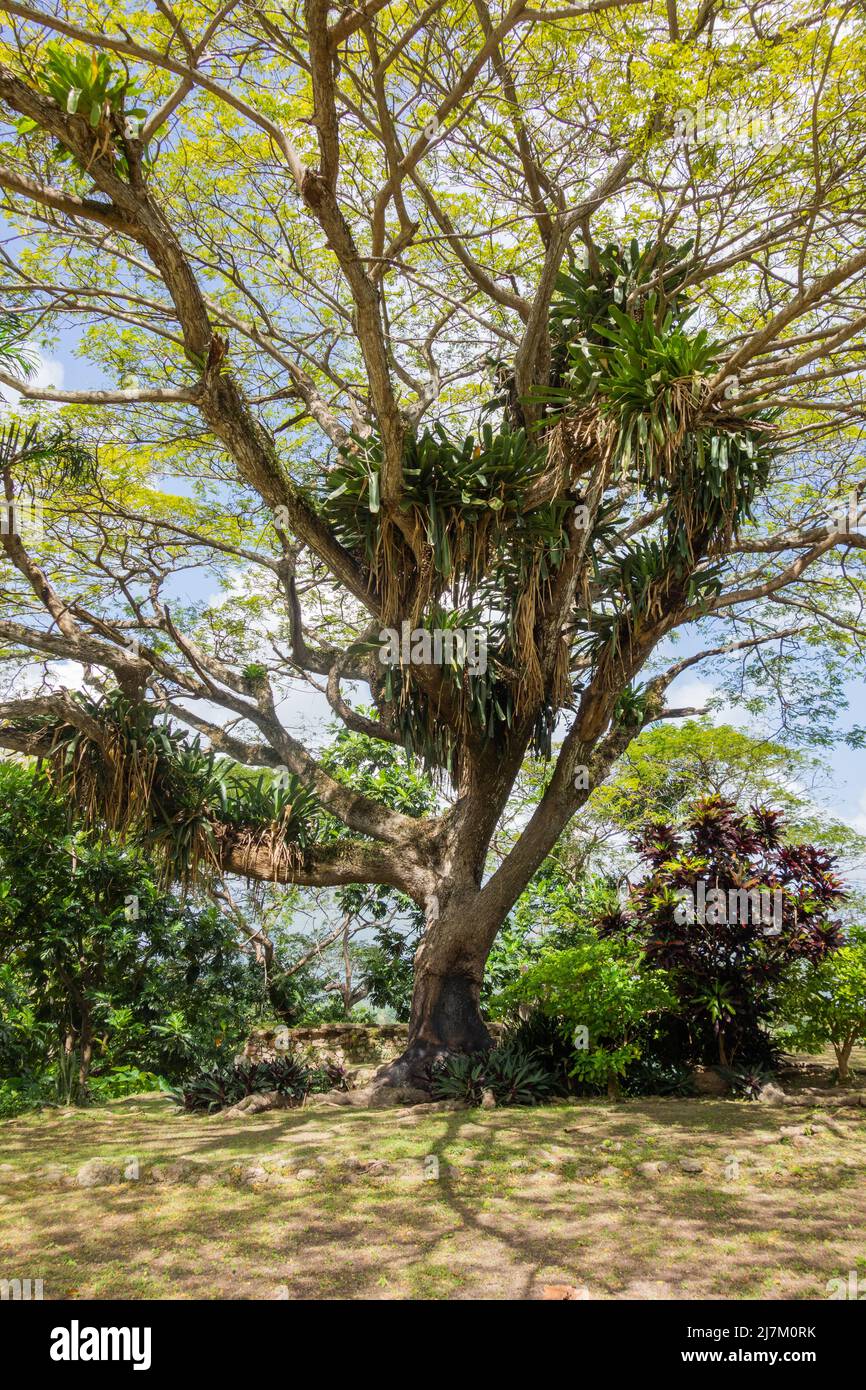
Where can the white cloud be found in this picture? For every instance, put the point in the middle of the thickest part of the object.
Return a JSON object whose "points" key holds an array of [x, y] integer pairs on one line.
{"points": [[69, 675], [691, 694], [36, 679], [49, 374], [694, 693]]}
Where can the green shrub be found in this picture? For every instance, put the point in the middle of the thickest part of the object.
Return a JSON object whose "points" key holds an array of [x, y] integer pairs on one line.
{"points": [[826, 1004], [653, 1076], [210, 1091], [602, 998], [515, 1076], [538, 1033], [329, 1077], [747, 1082], [21, 1093], [59, 1085], [122, 1081], [221, 1087], [726, 964]]}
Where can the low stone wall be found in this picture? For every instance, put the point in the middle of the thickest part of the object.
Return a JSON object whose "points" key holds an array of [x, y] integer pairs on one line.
{"points": [[350, 1045], [346, 1044]]}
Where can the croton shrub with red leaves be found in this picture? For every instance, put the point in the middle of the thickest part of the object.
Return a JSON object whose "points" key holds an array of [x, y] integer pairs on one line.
{"points": [[687, 912]]}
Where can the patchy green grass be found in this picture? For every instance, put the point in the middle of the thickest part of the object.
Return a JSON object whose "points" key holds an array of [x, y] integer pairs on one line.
{"points": [[522, 1199]]}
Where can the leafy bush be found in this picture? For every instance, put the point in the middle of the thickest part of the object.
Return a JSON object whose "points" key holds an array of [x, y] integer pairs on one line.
{"points": [[330, 1077], [164, 989], [747, 1082], [541, 1035], [21, 1093], [514, 947], [651, 1076], [726, 971], [12, 1102], [515, 1076], [122, 1081], [59, 1085], [288, 1076], [24, 1038], [826, 1004], [601, 997], [221, 1087], [210, 1091]]}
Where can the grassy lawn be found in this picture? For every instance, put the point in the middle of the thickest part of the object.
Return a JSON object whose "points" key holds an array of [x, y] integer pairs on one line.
{"points": [[522, 1199]]}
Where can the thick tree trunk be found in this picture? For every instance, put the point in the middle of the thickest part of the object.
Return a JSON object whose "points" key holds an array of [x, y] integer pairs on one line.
{"points": [[462, 923], [446, 1014]]}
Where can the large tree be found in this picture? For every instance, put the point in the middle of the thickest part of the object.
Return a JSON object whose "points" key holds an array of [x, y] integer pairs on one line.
{"points": [[446, 314]]}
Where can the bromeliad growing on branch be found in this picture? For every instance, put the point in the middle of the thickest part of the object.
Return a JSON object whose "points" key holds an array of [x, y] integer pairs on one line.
{"points": [[670, 415], [88, 84], [123, 770]]}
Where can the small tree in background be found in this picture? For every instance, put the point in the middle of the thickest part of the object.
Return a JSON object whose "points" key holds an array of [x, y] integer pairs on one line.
{"points": [[827, 1005], [724, 969]]}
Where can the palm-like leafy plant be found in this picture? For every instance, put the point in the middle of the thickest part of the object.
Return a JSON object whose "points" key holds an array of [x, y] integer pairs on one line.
{"points": [[44, 455], [13, 353], [89, 85], [127, 773]]}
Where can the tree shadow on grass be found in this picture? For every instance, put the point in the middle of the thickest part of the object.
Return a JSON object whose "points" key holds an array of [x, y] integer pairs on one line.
{"points": [[482, 1231]]}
